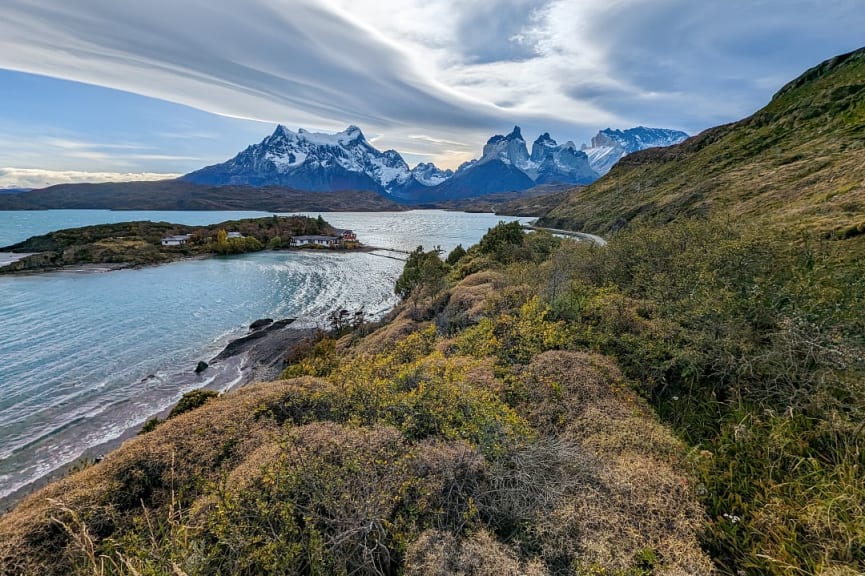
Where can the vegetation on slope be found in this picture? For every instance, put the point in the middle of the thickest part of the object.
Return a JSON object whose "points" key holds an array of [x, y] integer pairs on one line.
{"points": [[470, 434], [799, 163], [504, 420], [733, 292]]}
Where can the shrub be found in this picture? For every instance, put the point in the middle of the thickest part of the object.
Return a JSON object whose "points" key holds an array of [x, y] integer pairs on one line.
{"points": [[455, 255], [191, 401], [422, 269], [501, 238]]}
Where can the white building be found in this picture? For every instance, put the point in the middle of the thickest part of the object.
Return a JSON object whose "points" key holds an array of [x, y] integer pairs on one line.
{"points": [[179, 240], [327, 241]]}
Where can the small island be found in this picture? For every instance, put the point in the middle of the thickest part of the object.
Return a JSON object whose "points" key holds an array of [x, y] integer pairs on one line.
{"points": [[144, 243]]}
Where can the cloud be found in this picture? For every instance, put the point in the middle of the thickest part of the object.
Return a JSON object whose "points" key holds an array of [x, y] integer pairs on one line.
{"points": [[451, 70], [34, 178], [496, 31], [264, 59]]}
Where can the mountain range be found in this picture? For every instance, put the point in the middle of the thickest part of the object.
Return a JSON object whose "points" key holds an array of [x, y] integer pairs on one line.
{"points": [[346, 160]]}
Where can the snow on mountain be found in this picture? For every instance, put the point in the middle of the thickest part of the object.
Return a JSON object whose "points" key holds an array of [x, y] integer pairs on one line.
{"points": [[312, 161], [549, 161], [609, 145], [346, 160], [507, 166], [510, 149], [429, 174]]}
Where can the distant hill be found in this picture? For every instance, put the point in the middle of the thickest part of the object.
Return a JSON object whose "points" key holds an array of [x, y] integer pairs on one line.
{"points": [[797, 163], [179, 195], [536, 201]]}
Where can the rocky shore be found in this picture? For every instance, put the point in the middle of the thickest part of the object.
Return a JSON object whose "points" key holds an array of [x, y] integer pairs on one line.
{"points": [[262, 350], [257, 356]]}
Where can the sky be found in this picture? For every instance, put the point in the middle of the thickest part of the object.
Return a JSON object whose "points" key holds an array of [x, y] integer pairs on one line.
{"points": [[99, 90]]}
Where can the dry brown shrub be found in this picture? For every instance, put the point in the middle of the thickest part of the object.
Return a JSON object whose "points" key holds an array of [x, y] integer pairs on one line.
{"points": [[466, 305], [436, 553], [558, 386], [623, 492], [636, 503], [390, 334], [174, 460], [611, 425], [454, 473], [467, 302], [354, 486], [495, 279]]}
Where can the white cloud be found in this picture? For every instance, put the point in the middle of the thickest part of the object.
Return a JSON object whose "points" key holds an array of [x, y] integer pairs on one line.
{"points": [[452, 70], [34, 178]]}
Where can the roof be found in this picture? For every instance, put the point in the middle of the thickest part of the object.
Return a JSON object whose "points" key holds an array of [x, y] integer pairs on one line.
{"points": [[296, 238], [178, 237]]}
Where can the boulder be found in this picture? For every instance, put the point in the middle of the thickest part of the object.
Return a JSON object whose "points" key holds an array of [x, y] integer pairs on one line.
{"points": [[259, 324]]}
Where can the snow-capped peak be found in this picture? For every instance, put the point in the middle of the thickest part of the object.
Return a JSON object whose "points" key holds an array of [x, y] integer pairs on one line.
{"points": [[429, 174], [543, 143], [609, 145], [313, 160], [510, 149]]}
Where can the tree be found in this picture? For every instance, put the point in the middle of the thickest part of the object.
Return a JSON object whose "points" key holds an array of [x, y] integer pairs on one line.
{"points": [[338, 320], [221, 237], [500, 237], [456, 254], [421, 269]]}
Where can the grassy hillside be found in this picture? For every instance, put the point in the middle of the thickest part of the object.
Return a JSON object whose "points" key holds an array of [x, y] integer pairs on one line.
{"points": [[799, 163], [688, 399], [464, 436], [536, 406]]}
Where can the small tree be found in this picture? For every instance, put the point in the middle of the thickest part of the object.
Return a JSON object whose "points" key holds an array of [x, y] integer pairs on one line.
{"points": [[501, 234], [339, 320], [456, 254], [421, 269]]}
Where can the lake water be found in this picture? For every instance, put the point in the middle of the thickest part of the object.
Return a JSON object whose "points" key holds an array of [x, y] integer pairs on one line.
{"points": [[86, 356]]}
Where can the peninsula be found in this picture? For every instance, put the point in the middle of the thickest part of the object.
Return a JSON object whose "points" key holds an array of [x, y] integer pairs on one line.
{"points": [[144, 243]]}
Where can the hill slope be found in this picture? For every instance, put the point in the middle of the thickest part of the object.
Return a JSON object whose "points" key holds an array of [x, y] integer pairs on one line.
{"points": [[799, 162], [179, 195]]}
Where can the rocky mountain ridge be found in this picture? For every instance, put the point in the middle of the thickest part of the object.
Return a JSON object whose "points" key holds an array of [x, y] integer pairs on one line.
{"points": [[609, 146], [346, 160]]}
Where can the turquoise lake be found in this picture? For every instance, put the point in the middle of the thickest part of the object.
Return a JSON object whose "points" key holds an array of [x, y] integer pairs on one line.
{"points": [[84, 357]]}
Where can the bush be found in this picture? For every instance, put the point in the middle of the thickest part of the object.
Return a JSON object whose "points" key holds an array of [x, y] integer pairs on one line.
{"points": [[191, 401], [422, 269], [455, 255], [501, 237]]}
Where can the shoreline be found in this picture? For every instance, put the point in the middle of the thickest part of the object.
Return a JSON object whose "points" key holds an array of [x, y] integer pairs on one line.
{"points": [[99, 267], [254, 357]]}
